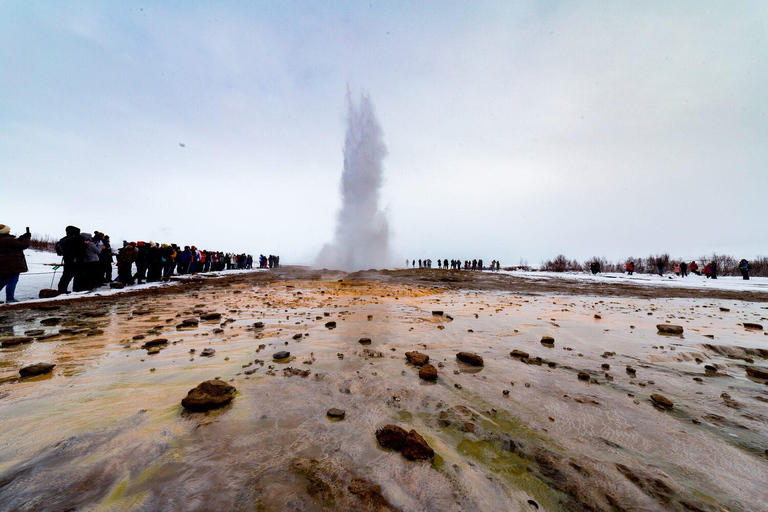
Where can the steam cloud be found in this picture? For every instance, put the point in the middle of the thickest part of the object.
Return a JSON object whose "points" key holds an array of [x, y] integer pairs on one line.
{"points": [[362, 231]]}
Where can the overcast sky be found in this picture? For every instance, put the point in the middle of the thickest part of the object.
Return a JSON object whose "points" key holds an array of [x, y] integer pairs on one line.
{"points": [[514, 129]]}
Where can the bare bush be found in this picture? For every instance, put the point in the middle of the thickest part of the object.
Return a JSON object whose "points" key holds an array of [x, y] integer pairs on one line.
{"points": [[40, 242]]}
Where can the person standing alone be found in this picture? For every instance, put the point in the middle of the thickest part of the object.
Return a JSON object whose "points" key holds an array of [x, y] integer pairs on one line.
{"points": [[12, 260]]}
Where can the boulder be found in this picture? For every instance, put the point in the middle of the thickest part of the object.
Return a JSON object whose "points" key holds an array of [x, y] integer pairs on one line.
{"points": [[330, 325], [416, 447], [547, 340], [364, 341], [36, 369], [337, 414], [208, 395], [750, 325], [670, 329], [283, 354], [470, 358], [391, 436], [258, 325], [48, 293], [759, 373], [583, 376], [661, 401], [417, 358], [18, 340], [208, 352], [519, 354], [428, 372], [437, 313]]}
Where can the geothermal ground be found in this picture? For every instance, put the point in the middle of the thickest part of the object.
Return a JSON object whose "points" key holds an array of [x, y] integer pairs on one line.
{"points": [[566, 425]]}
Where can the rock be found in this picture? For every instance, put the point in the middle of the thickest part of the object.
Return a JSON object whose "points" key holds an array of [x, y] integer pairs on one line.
{"points": [[210, 316], [416, 447], [153, 350], [283, 354], [187, 323], [428, 372], [290, 372], [547, 340], [297, 336], [364, 341], [48, 293], [417, 358], [519, 354], [50, 321], [208, 395], [750, 325], [724, 310], [34, 332], [208, 352], [470, 358], [391, 436], [670, 329], [605, 366], [367, 352], [710, 368], [258, 325], [661, 401], [18, 340], [36, 369], [330, 325], [583, 376], [437, 313], [759, 373], [155, 342], [116, 285], [337, 414]]}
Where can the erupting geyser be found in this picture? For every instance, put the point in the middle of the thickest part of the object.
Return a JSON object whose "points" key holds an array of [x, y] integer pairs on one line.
{"points": [[362, 232]]}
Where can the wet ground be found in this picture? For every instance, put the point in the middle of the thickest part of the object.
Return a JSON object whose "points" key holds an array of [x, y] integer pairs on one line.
{"points": [[105, 430]]}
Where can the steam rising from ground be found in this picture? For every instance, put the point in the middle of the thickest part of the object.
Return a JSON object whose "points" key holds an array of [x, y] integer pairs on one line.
{"points": [[362, 231]]}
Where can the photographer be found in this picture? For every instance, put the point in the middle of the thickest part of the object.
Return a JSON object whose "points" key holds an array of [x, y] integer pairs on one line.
{"points": [[12, 261]]}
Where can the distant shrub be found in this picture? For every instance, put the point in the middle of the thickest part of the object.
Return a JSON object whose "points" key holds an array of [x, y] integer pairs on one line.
{"points": [[40, 242]]}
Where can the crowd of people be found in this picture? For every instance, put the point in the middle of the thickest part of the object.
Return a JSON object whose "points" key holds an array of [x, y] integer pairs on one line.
{"points": [[88, 261], [683, 269], [454, 264]]}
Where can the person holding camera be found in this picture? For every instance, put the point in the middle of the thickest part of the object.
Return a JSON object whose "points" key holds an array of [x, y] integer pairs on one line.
{"points": [[12, 260]]}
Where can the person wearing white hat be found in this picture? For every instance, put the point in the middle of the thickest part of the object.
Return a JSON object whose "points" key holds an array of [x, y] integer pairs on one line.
{"points": [[12, 261]]}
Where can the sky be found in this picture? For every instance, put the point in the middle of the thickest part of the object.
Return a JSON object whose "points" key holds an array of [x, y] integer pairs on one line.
{"points": [[515, 130]]}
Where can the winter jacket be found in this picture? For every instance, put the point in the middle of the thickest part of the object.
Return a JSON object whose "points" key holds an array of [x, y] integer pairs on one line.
{"points": [[744, 266], [12, 260], [71, 247], [127, 256], [92, 251]]}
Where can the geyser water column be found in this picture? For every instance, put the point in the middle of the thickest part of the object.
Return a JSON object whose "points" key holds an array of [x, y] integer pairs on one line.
{"points": [[362, 231]]}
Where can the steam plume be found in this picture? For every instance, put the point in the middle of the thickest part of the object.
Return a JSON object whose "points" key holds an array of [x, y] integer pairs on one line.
{"points": [[362, 231]]}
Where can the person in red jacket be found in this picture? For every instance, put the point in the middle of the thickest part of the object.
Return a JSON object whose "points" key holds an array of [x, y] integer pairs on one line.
{"points": [[694, 268], [630, 266]]}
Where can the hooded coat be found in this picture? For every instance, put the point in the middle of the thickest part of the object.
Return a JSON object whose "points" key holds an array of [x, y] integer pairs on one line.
{"points": [[12, 260]]}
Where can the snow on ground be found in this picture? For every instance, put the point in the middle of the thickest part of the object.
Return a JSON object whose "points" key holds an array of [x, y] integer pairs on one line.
{"points": [[754, 284], [40, 264]]}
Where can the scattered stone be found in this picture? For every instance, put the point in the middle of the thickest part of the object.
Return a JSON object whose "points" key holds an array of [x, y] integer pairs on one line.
{"points": [[519, 354], [337, 414], [670, 329], [631, 370], [290, 372], [759, 373], [155, 342], [367, 352], [598, 317], [34, 332], [547, 340], [437, 313], [187, 323], [710, 368], [416, 447], [470, 358], [48, 293], [36, 369], [428, 372], [750, 325], [283, 354], [724, 310], [18, 340], [258, 325], [364, 341], [417, 358], [208, 395], [116, 285], [153, 350], [583, 376], [605, 366], [210, 316], [50, 321], [661, 401], [208, 352], [391, 436], [330, 325]]}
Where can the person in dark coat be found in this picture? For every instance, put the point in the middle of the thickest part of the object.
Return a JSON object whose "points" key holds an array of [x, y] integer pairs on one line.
{"points": [[12, 260], [141, 263], [72, 251], [125, 259], [88, 277], [744, 268], [105, 259]]}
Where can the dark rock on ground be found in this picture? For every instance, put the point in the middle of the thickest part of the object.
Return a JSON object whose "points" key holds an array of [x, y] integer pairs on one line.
{"points": [[437, 313], [367, 352], [208, 395], [48, 293], [34, 332], [290, 372], [661, 401], [336, 413], [364, 341], [583, 376], [153, 350], [18, 340], [754, 371], [210, 316], [116, 285], [519, 354], [50, 321], [417, 358], [258, 325], [283, 354], [750, 325], [470, 358], [391, 436], [547, 340], [670, 329], [36, 369], [330, 325], [428, 372], [155, 342], [416, 447], [207, 352]]}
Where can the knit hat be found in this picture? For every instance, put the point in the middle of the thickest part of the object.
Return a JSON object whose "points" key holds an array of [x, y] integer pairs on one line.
{"points": [[4, 230]]}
